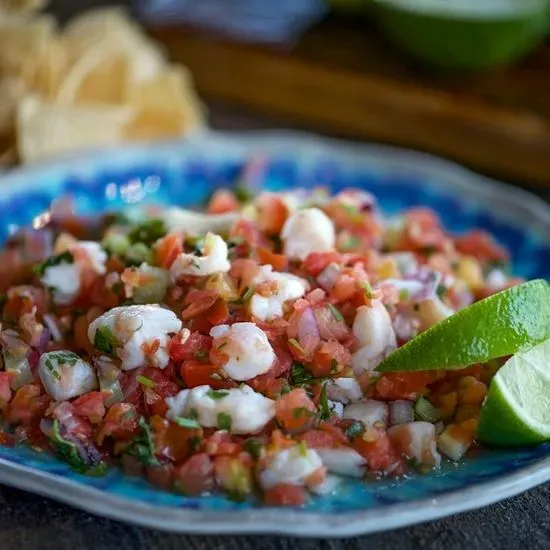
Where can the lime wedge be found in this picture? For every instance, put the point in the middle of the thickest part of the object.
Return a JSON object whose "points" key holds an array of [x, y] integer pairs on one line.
{"points": [[503, 324], [517, 408]]}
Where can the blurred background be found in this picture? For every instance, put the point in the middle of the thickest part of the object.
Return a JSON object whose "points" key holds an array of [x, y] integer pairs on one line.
{"points": [[465, 79]]}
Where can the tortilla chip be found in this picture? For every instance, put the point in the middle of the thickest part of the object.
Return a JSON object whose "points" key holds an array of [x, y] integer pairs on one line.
{"points": [[45, 130]]}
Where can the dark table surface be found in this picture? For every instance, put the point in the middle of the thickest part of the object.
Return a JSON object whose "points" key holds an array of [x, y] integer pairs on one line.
{"points": [[29, 522]]}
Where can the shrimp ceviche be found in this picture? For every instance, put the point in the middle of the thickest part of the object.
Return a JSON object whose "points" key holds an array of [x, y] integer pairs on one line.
{"points": [[234, 349]]}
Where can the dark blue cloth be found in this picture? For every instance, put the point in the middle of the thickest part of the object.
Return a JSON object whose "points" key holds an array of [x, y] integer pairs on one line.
{"points": [[272, 21]]}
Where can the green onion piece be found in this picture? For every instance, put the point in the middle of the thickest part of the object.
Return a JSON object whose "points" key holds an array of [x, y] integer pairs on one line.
{"points": [[336, 314], [254, 448], [190, 423], [247, 295], [426, 411], [302, 448], [324, 408], [367, 288], [217, 394], [148, 231], [224, 421], [144, 381]]}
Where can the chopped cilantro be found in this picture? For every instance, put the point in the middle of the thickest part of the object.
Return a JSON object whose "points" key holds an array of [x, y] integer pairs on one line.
{"points": [[104, 340], [200, 355], [144, 381], [190, 423], [53, 370], [355, 429], [324, 408], [68, 452], [299, 375], [254, 448], [333, 366], [148, 231], [403, 295], [143, 446], [195, 264], [217, 394], [63, 258], [224, 421], [64, 357], [441, 291], [336, 314]]}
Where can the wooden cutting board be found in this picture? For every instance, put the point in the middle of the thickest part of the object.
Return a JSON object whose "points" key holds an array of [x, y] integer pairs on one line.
{"points": [[344, 79]]}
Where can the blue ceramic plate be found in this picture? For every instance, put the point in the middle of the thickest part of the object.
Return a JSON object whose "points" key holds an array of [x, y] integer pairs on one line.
{"points": [[185, 174]]}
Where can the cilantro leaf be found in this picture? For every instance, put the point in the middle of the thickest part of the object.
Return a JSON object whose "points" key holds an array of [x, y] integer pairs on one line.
{"points": [[68, 452], [104, 340], [143, 446], [301, 376], [224, 421], [217, 394], [63, 258], [148, 231], [254, 448], [190, 423], [325, 411]]}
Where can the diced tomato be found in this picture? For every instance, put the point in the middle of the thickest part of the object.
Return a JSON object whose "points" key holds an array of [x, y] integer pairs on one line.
{"points": [[244, 270], [222, 201], [317, 261], [20, 408], [221, 443], [131, 465], [218, 313], [378, 451], [409, 385], [80, 328], [482, 246], [90, 405], [22, 299], [248, 231], [195, 348], [423, 231], [5, 390], [161, 476], [101, 295], [272, 213], [196, 475], [266, 256], [329, 359], [198, 302], [163, 385], [318, 439], [285, 494], [173, 441], [295, 410], [121, 422], [344, 288], [331, 326], [196, 374], [115, 264], [168, 248]]}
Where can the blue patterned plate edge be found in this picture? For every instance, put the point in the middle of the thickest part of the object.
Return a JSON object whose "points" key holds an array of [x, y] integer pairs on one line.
{"points": [[514, 205]]}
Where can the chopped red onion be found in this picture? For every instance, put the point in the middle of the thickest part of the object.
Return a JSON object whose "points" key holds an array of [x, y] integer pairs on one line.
{"points": [[401, 412], [308, 330], [370, 412]]}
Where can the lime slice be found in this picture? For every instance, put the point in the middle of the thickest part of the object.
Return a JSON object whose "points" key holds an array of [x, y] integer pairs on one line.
{"points": [[512, 320], [517, 408]]}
